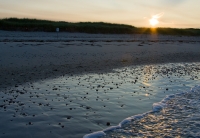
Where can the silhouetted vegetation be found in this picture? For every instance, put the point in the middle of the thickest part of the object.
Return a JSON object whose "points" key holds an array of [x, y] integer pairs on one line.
{"points": [[15, 24]]}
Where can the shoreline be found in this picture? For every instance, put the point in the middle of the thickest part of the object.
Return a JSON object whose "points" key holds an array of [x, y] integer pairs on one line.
{"points": [[168, 111]]}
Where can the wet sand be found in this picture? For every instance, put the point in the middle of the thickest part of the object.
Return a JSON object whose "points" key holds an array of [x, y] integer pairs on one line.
{"points": [[30, 56], [69, 86]]}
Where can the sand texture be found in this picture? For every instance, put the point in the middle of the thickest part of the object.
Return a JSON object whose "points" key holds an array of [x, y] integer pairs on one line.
{"points": [[30, 56]]}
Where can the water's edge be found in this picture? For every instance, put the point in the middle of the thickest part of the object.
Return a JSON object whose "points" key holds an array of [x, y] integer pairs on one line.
{"points": [[156, 107]]}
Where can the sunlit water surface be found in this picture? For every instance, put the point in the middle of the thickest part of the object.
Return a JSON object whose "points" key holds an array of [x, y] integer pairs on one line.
{"points": [[79, 104]]}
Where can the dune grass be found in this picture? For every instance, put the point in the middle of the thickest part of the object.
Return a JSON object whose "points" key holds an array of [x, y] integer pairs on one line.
{"points": [[15, 24]]}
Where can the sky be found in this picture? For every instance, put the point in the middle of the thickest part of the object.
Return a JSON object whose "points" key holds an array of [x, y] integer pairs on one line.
{"points": [[165, 13]]}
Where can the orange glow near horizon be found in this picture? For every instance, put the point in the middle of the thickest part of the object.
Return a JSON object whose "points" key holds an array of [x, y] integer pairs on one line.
{"points": [[154, 13]]}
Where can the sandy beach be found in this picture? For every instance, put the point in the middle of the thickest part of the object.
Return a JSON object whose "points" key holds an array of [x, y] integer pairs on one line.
{"points": [[40, 63], [30, 56]]}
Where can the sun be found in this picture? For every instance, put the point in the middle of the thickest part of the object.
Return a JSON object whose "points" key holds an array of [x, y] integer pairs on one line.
{"points": [[153, 21]]}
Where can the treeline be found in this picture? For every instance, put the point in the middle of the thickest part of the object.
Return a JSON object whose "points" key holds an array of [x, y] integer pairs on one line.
{"points": [[15, 24]]}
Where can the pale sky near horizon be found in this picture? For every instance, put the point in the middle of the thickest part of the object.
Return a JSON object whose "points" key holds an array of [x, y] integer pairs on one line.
{"points": [[171, 13]]}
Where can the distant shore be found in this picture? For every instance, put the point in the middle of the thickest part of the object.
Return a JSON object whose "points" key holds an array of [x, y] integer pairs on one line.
{"points": [[30, 25]]}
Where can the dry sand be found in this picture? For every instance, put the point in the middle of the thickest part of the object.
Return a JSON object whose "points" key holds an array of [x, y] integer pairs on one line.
{"points": [[32, 56]]}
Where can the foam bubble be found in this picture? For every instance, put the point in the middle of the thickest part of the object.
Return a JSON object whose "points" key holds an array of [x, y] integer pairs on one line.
{"points": [[95, 134], [158, 106]]}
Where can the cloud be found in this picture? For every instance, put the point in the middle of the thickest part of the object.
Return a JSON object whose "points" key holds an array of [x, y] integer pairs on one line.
{"points": [[158, 15], [172, 2]]}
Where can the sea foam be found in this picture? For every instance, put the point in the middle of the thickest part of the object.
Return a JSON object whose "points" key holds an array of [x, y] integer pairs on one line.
{"points": [[157, 107]]}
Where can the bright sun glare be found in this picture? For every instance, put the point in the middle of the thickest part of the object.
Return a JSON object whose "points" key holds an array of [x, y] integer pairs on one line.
{"points": [[154, 19]]}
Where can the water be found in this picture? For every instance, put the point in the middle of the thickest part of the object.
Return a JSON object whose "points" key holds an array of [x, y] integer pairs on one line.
{"points": [[79, 104], [178, 117]]}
